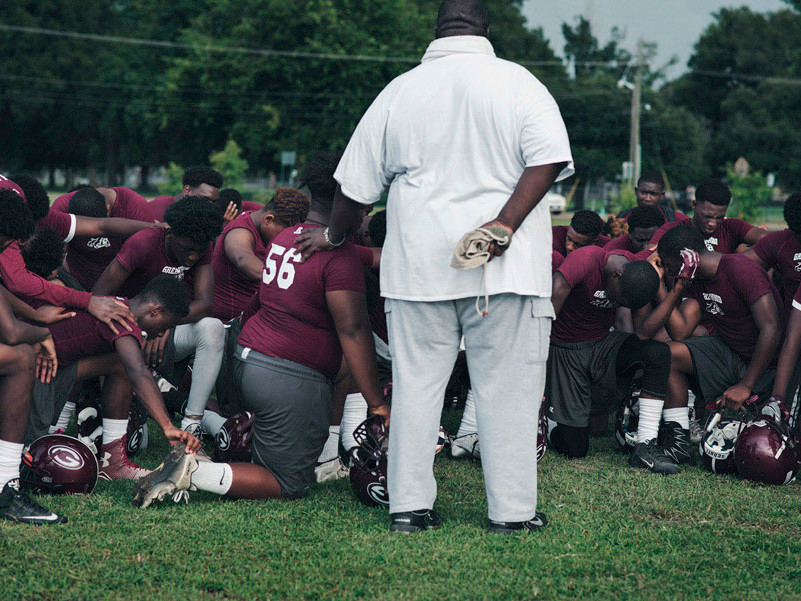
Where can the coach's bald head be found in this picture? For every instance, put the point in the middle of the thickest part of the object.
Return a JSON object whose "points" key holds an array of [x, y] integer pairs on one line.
{"points": [[462, 17]]}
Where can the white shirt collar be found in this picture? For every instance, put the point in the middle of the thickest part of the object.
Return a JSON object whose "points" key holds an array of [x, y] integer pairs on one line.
{"points": [[458, 44]]}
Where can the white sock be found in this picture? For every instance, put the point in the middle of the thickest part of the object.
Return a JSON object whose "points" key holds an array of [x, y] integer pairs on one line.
{"points": [[680, 415], [64, 418], [650, 414], [213, 477], [468, 424], [114, 429], [186, 422], [10, 458], [212, 422], [331, 448], [354, 413]]}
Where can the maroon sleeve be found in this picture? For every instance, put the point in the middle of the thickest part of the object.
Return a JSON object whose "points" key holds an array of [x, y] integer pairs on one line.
{"points": [[739, 228], [106, 333], [28, 286], [603, 240], [556, 260], [749, 280], [365, 255], [343, 271], [7, 184], [797, 299], [619, 243], [662, 231], [134, 250], [579, 264], [559, 233], [62, 203], [248, 205], [767, 248], [61, 222], [681, 218], [135, 205]]}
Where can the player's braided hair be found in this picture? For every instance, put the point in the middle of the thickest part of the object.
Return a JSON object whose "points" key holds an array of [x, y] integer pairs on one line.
{"points": [[290, 206], [44, 252], [714, 192], [792, 212], [35, 195], [587, 223], [645, 216], [16, 221], [194, 218]]}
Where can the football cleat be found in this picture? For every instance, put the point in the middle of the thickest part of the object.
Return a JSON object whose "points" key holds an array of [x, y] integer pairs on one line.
{"points": [[114, 462], [649, 456], [466, 446], [137, 428], [196, 430], [675, 442], [17, 506], [329, 471], [174, 474], [538, 522], [627, 419], [409, 522], [696, 430], [368, 463]]}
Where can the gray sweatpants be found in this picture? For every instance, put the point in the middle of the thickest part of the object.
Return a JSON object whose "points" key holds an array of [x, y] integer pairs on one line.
{"points": [[506, 355]]}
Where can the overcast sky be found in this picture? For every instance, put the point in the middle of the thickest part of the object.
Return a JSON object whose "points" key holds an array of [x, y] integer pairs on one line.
{"points": [[674, 25]]}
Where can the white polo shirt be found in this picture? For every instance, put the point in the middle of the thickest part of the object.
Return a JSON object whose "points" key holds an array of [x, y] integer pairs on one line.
{"points": [[451, 138]]}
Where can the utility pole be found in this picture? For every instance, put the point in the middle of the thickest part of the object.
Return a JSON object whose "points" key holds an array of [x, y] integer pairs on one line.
{"points": [[635, 148]]}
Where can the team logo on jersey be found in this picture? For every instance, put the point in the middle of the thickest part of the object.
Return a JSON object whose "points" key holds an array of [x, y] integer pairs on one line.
{"points": [[711, 244], [178, 272], [797, 259], [378, 493], [299, 230], [714, 304], [98, 243], [602, 301], [66, 457]]}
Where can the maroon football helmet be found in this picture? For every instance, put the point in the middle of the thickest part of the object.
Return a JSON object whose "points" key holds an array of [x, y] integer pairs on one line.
{"points": [[767, 451], [232, 442], [59, 464], [368, 468], [718, 442], [542, 432], [137, 428]]}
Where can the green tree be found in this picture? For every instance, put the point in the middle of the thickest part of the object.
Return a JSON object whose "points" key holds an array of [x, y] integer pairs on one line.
{"points": [[230, 164], [749, 192]]}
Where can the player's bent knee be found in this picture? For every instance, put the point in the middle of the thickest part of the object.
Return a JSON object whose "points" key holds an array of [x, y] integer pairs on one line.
{"points": [[211, 333], [571, 441], [655, 358]]}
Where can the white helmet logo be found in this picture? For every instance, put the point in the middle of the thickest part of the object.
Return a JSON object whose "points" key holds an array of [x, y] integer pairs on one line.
{"points": [[66, 457]]}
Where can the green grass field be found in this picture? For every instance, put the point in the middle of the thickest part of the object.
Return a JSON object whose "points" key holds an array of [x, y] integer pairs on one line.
{"points": [[615, 533]]}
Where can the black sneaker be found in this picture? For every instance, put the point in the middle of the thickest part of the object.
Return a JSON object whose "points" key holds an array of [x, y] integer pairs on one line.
{"points": [[414, 521], [649, 456], [17, 506], [538, 522], [676, 443]]}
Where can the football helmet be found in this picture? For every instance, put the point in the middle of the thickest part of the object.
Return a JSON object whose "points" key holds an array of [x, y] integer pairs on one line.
{"points": [[368, 466], [137, 428], [768, 451], [627, 419], [59, 464], [542, 432], [717, 444], [232, 442]]}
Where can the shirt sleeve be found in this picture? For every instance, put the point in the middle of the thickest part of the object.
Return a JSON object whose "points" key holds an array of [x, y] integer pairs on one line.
{"points": [[135, 205], [29, 286], [739, 229], [132, 252], [107, 334], [749, 280], [797, 299], [343, 271], [62, 203], [365, 255], [543, 135], [63, 223], [662, 231], [556, 260], [580, 264], [766, 248], [362, 171]]}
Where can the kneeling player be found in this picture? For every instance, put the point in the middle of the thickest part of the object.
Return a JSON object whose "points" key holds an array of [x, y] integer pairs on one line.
{"points": [[307, 315], [738, 298], [587, 289], [87, 348]]}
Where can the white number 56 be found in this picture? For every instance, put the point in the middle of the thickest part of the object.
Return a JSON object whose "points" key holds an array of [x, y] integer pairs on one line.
{"points": [[286, 274]]}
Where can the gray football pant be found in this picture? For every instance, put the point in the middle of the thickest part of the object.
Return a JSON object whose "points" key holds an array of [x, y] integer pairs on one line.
{"points": [[506, 355], [205, 339]]}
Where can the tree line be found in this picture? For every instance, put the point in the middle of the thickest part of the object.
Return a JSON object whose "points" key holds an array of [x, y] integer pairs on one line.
{"points": [[105, 99]]}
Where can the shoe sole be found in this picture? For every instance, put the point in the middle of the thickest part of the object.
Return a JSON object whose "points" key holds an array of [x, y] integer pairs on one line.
{"points": [[158, 483], [409, 529], [634, 462]]}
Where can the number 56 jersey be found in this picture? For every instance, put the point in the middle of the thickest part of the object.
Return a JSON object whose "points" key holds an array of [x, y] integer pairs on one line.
{"points": [[293, 321]]}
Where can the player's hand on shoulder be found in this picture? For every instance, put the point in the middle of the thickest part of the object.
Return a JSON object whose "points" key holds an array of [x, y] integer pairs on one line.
{"points": [[47, 314], [310, 241], [112, 312], [230, 213]]}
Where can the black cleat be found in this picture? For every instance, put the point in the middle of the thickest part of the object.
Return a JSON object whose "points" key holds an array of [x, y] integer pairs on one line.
{"points": [[414, 521], [17, 506], [649, 456], [538, 522], [676, 443]]}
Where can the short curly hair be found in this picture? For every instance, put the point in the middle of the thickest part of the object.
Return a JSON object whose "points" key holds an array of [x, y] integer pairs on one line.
{"points": [[587, 223], [227, 196], [646, 216], [677, 239], [44, 252], [290, 206], [35, 195], [194, 218], [16, 221], [202, 174], [88, 202], [792, 212], [170, 292], [713, 191], [318, 177]]}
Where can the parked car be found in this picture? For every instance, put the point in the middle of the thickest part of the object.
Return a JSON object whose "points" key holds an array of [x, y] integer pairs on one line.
{"points": [[556, 202]]}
